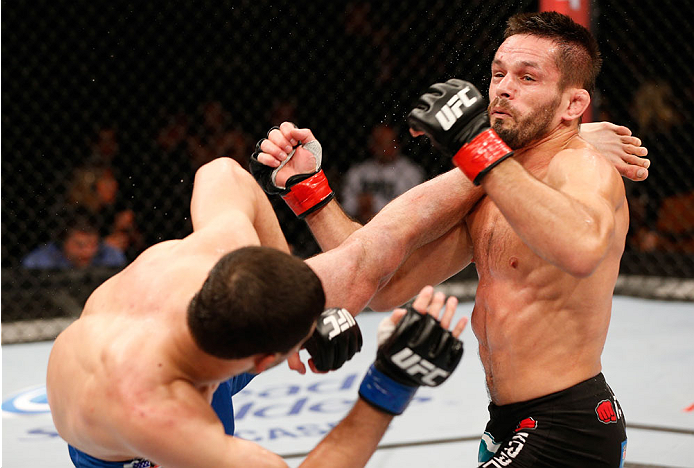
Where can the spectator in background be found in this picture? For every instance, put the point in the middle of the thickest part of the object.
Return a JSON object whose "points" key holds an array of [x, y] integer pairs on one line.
{"points": [[77, 246], [97, 186], [282, 111], [663, 209], [370, 185], [217, 136], [95, 189], [105, 147]]}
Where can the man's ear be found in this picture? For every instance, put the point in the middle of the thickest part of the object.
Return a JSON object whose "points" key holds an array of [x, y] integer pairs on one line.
{"points": [[579, 100], [262, 362]]}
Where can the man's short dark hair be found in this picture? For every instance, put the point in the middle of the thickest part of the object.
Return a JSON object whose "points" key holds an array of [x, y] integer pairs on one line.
{"points": [[72, 220], [579, 58], [255, 300]]}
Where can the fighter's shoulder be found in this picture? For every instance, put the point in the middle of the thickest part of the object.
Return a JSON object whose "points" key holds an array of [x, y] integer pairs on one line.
{"points": [[579, 159], [167, 266], [584, 170], [170, 253]]}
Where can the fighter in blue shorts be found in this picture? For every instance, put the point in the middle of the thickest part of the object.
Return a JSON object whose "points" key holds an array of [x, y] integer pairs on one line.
{"points": [[142, 378]]}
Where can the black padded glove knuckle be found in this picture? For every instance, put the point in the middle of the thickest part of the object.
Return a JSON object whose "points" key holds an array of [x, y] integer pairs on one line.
{"points": [[419, 352], [336, 339], [450, 114]]}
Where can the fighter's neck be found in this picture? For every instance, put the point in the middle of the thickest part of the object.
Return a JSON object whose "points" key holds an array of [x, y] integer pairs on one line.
{"points": [[200, 367], [540, 152]]}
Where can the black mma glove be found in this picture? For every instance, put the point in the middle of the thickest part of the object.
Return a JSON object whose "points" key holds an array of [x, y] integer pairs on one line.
{"points": [[419, 352], [304, 193], [454, 117], [336, 339]]}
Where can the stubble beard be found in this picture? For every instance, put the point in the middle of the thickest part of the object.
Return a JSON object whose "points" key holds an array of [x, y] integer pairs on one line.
{"points": [[519, 132]]}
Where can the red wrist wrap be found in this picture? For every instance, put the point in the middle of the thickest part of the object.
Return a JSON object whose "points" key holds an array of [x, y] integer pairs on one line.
{"points": [[484, 152], [308, 193]]}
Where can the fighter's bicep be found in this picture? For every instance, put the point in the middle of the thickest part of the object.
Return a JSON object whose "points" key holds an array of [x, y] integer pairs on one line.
{"points": [[592, 182]]}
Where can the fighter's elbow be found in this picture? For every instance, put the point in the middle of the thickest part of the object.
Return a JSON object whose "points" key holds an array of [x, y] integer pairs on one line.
{"points": [[581, 269], [217, 167], [583, 261]]}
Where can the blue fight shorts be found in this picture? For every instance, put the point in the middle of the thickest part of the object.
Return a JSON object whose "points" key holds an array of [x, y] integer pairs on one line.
{"points": [[82, 460], [221, 400]]}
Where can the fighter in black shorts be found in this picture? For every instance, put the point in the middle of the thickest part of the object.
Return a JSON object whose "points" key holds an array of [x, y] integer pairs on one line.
{"points": [[580, 427]]}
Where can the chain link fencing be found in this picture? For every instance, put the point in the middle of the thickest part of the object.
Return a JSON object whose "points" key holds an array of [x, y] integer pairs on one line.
{"points": [[111, 106]]}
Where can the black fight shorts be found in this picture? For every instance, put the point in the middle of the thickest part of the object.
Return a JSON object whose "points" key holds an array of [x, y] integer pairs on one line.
{"points": [[582, 426]]}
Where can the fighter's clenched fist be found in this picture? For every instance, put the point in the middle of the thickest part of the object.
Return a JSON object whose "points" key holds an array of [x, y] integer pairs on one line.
{"points": [[454, 116], [288, 163]]}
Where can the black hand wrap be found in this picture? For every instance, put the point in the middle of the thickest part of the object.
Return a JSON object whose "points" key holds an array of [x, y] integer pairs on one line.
{"points": [[419, 352], [454, 116], [304, 193], [336, 339]]}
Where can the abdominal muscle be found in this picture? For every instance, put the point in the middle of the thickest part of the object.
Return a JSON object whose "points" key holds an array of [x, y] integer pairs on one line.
{"points": [[536, 339], [540, 330]]}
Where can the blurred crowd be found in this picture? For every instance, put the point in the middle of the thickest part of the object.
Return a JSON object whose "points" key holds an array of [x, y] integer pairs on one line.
{"points": [[100, 219], [128, 188]]}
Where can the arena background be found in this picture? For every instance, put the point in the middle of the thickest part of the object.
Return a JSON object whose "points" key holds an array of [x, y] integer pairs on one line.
{"points": [[122, 86]]}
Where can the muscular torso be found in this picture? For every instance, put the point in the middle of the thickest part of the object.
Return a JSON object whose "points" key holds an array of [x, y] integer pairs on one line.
{"points": [[540, 330], [122, 352]]}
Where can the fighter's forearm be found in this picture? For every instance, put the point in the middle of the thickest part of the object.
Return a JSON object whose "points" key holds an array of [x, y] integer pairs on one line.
{"points": [[430, 264], [422, 219], [331, 226], [352, 442], [222, 187]]}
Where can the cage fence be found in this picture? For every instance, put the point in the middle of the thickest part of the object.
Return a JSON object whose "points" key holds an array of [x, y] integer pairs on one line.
{"points": [[108, 108]]}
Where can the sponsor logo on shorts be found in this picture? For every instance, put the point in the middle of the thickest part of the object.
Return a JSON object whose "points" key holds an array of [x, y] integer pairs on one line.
{"points": [[527, 423], [624, 454], [488, 447], [451, 112], [506, 455], [140, 463], [606, 412]]}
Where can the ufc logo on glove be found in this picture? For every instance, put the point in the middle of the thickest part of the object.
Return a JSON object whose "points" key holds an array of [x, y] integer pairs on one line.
{"points": [[336, 339], [414, 364], [340, 321], [451, 111]]}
